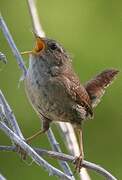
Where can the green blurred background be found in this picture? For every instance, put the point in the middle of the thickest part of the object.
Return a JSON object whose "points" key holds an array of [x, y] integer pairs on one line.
{"points": [[92, 32]]}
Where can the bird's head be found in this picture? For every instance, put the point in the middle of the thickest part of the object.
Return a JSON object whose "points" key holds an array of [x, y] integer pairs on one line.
{"points": [[49, 51]]}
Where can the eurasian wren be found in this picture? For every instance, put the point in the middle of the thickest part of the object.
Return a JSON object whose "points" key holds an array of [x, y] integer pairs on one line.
{"points": [[54, 89]]}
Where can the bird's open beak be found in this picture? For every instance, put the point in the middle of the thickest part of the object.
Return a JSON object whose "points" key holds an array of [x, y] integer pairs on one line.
{"points": [[39, 46]]}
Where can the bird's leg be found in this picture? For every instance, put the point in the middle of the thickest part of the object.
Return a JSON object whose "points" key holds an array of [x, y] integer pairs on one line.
{"points": [[29, 139], [46, 124], [79, 159]]}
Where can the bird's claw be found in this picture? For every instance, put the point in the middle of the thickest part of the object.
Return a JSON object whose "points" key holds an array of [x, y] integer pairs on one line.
{"points": [[78, 163], [21, 152]]}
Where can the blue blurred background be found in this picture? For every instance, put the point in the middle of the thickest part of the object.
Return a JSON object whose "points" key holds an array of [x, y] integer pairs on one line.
{"points": [[91, 31]]}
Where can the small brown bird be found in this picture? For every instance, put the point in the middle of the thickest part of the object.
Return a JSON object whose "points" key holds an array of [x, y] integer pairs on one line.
{"points": [[55, 91]]}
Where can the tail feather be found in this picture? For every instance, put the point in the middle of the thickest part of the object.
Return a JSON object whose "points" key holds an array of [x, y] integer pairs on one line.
{"points": [[96, 86]]}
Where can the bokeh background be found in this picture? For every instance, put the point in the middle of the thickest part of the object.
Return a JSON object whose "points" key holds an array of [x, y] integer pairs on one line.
{"points": [[91, 31]]}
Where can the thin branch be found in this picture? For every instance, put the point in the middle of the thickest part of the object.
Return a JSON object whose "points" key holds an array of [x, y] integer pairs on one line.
{"points": [[30, 152], [35, 18], [11, 43], [67, 132], [39, 30], [2, 177], [56, 147], [65, 157], [11, 119], [71, 143]]}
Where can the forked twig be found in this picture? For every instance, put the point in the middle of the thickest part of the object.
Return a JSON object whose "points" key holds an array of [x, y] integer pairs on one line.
{"points": [[10, 115], [36, 158], [65, 157]]}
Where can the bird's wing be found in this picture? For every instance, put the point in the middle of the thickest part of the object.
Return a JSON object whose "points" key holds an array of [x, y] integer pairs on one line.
{"points": [[75, 90], [96, 86]]}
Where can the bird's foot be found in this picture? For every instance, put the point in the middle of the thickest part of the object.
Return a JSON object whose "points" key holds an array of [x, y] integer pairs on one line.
{"points": [[21, 152], [78, 163]]}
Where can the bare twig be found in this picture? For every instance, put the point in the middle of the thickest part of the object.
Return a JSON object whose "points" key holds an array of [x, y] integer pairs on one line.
{"points": [[1, 177], [56, 147], [66, 157], [39, 30], [67, 131], [71, 143], [38, 160], [35, 18], [11, 43], [11, 119]]}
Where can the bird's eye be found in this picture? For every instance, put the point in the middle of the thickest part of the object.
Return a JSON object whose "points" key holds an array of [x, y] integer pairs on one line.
{"points": [[53, 46]]}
